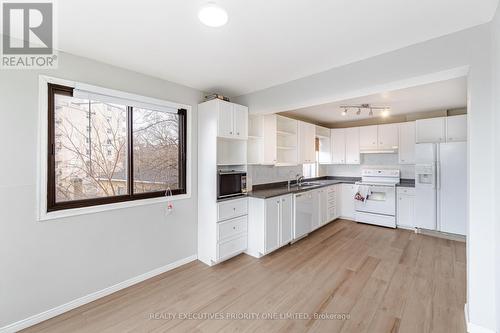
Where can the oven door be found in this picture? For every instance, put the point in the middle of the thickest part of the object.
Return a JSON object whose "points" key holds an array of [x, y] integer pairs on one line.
{"points": [[381, 201], [230, 184]]}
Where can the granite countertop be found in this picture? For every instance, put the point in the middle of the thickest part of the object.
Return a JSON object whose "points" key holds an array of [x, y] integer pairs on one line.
{"points": [[406, 183], [271, 190]]}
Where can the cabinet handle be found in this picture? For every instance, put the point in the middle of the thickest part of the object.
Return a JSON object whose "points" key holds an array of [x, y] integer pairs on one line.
{"points": [[230, 132], [234, 228], [234, 209], [238, 133]]}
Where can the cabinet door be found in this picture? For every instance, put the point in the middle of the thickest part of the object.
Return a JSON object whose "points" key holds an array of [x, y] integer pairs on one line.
{"points": [[338, 146], [430, 130], [286, 219], [407, 143], [338, 201], [331, 203], [269, 145], [240, 121], [388, 136], [225, 120], [352, 145], [271, 231], [368, 137], [406, 210], [348, 201], [306, 138], [316, 218], [323, 205], [456, 128]]}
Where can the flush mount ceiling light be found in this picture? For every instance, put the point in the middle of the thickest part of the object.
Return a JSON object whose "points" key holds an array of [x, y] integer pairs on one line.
{"points": [[366, 107], [212, 15]]}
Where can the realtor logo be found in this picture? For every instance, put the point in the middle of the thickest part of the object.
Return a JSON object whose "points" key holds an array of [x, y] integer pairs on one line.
{"points": [[28, 35]]}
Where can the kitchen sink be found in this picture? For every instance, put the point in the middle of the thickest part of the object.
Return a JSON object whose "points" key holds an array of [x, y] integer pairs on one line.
{"points": [[307, 184]]}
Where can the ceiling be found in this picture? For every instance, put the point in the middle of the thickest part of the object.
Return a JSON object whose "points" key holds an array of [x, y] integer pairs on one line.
{"points": [[265, 43], [444, 95]]}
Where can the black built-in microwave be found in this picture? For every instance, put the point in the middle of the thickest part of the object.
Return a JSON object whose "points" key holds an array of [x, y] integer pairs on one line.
{"points": [[231, 184]]}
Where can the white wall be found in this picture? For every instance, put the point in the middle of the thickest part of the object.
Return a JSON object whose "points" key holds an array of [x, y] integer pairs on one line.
{"points": [[374, 161], [496, 93], [46, 264], [418, 64]]}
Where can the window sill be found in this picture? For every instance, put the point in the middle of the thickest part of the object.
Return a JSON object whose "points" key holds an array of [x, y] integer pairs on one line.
{"points": [[44, 216]]}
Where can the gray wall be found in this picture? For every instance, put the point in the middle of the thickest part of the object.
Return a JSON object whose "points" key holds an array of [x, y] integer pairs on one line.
{"points": [[47, 264], [436, 59]]}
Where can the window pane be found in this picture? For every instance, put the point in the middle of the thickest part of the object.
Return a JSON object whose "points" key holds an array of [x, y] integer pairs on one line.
{"points": [[156, 150], [90, 149]]}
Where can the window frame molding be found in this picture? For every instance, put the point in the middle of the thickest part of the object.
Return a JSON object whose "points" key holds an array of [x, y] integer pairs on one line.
{"points": [[43, 152]]}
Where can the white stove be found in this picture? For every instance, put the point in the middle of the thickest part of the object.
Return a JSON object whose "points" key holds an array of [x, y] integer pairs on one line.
{"points": [[378, 188]]}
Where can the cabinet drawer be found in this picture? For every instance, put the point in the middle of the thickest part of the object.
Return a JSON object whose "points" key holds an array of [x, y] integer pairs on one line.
{"points": [[232, 247], [231, 228], [232, 208], [406, 190]]}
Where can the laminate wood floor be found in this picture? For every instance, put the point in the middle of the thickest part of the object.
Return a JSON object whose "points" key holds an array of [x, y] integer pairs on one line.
{"points": [[356, 277]]}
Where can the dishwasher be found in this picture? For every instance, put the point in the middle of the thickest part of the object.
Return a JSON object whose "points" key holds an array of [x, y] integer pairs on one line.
{"points": [[303, 215]]}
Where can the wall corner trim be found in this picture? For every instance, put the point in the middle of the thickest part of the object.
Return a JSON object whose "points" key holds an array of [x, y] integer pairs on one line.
{"points": [[38, 318]]}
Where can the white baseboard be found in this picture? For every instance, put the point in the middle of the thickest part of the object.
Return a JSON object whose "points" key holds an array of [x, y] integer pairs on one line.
{"points": [[473, 328], [38, 318]]}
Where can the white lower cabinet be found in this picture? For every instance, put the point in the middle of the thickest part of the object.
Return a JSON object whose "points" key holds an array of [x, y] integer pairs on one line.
{"points": [[332, 203], [231, 229], [406, 207], [323, 204], [317, 207], [347, 201], [269, 224]]}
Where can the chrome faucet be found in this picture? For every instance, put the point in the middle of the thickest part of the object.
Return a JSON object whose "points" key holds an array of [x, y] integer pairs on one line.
{"points": [[299, 179]]}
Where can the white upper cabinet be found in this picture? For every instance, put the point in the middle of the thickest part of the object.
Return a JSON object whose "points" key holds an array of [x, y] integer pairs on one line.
{"points": [[368, 137], [269, 140], [430, 130], [378, 137], [407, 143], [225, 120], [338, 146], [388, 137], [325, 144], [240, 118], [456, 128], [307, 143], [352, 145], [232, 120]]}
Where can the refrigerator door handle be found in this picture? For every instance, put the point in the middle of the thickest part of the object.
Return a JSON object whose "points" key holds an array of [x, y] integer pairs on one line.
{"points": [[438, 175]]}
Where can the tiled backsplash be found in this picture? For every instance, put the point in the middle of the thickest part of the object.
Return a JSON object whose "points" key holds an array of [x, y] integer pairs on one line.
{"points": [[382, 161], [262, 174]]}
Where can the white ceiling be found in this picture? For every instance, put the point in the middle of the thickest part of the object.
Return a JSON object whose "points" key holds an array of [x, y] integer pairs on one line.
{"points": [[266, 42], [437, 96]]}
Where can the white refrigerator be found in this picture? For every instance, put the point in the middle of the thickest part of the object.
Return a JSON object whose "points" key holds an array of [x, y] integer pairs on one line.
{"points": [[441, 187]]}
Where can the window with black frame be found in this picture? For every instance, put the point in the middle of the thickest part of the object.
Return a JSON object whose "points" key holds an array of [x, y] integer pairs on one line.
{"points": [[103, 149]]}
